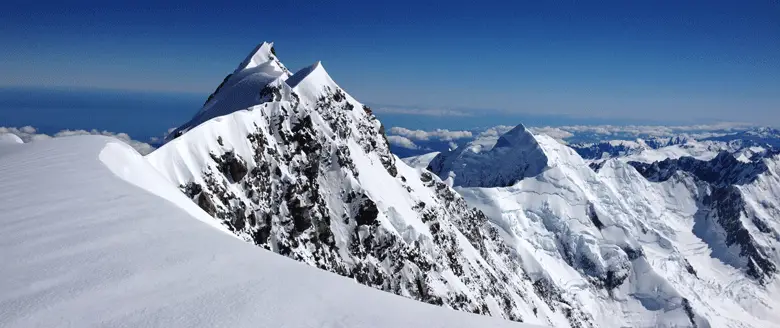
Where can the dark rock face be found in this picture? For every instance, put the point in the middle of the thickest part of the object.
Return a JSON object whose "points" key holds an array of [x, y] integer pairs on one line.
{"points": [[231, 165], [633, 253], [591, 212], [689, 311], [727, 206], [596, 166], [690, 269], [553, 297], [367, 212], [271, 93], [723, 205]]}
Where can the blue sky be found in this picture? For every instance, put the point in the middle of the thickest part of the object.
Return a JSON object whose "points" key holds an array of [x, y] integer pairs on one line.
{"points": [[632, 61]]}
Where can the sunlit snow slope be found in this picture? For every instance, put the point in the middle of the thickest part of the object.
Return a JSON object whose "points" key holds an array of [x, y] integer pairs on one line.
{"points": [[91, 235]]}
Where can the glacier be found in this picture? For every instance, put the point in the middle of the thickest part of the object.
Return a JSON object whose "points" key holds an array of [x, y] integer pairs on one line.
{"points": [[641, 249]]}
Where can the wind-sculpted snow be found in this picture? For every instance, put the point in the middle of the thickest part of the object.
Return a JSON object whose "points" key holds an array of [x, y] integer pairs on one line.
{"points": [[514, 156], [93, 236], [305, 171], [631, 249]]}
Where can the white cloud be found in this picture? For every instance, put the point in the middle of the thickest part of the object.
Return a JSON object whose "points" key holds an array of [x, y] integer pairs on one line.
{"points": [[495, 131], [438, 134], [402, 142], [555, 133], [29, 134], [699, 130], [421, 111]]}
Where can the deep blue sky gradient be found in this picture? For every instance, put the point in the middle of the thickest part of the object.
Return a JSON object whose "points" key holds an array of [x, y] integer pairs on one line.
{"points": [[654, 61]]}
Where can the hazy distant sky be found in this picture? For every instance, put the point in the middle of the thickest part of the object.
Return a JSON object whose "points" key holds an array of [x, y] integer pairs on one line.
{"points": [[691, 60]]}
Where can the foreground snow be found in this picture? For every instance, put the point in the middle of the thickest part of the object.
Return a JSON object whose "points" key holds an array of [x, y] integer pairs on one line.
{"points": [[91, 235]]}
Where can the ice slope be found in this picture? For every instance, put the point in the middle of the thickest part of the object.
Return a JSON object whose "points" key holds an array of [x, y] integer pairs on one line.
{"points": [[514, 156], [305, 171], [629, 249], [92, 236], [420, 161]]}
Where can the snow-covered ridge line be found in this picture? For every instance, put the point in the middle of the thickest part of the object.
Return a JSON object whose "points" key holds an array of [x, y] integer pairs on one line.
{"points": [[303, 169], [92, 236]]}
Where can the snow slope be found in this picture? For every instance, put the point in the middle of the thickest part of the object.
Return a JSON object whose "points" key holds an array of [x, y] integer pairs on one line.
{"points": [[91, 235], [638, 253]]}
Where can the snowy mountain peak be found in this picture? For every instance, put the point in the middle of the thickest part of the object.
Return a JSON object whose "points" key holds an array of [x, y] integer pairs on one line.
{"points": [[518, 136], [262, 54], [312, 82], [514, 156], [242, 89], [313, 70]]}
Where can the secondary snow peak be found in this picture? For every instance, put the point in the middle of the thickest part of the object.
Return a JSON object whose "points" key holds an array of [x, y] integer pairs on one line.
{"points": [[312, 81], [518, 136], [491, 162]]}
